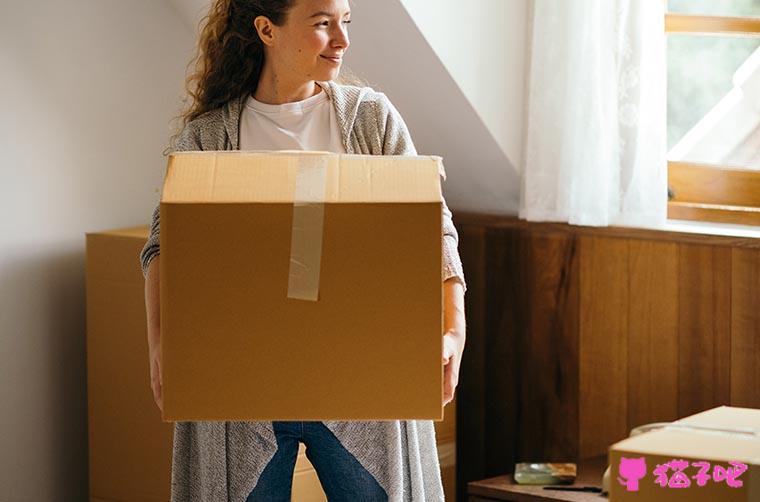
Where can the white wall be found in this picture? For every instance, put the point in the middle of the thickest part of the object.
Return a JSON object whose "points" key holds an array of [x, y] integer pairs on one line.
{"points": [[482, 43], [87, 91], [191, 12], [389, 50]]}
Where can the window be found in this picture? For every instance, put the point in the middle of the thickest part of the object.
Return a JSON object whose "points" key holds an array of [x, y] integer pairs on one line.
{"points": [[713, 59]]}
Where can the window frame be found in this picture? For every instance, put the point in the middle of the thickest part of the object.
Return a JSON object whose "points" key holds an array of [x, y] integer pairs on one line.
{"points": [[712, 192]]}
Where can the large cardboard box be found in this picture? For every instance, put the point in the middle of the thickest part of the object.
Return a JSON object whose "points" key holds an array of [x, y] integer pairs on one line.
{"points": [[301, 286], [703, 444], [130, 448]]}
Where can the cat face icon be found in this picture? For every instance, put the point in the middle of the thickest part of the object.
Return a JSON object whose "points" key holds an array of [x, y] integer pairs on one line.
{"points": [[631, 470]]}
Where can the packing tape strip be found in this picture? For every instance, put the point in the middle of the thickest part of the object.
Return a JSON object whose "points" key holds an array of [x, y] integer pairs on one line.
{"points": [[306, 232]]}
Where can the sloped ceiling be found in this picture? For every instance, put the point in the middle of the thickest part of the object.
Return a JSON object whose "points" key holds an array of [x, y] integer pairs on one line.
{"points": [[389, 51]]}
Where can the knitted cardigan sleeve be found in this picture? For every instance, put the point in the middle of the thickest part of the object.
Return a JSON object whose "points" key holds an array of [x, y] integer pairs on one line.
{"points": [[188, 140], [398, 141]]}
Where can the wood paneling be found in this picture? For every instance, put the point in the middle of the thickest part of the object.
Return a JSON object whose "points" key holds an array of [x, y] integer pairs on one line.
{"points": [[745, 328], [603, 399], [547, 295], [652, 332], [704, 307], [471, 390], [575, 335], [502, 363]]}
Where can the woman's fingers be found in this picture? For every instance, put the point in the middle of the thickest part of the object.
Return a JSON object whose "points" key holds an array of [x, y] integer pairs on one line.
{"points": [[157, 397], [156, 381], [449, 385], [450, 373]]}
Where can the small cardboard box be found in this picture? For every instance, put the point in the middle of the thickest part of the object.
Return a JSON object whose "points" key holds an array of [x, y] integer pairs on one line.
{"points": [[130, 449], [301, 286], [712, 439]]}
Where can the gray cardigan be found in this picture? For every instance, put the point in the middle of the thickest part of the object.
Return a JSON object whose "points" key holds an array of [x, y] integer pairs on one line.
{"points": [[222, 461]]}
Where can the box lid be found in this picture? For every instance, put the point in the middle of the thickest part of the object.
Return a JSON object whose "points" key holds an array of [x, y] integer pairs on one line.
{"points": [[279, 177]]}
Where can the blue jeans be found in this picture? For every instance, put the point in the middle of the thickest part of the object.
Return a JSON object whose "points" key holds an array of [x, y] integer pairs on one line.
{"points": [[342, 477]]}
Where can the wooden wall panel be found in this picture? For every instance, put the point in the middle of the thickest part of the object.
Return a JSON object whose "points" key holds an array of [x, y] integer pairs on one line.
{"points": [[652, 332], [745, 328], [603, 344], [502, 362], [704, 306], [471, 397], [548, 285]]}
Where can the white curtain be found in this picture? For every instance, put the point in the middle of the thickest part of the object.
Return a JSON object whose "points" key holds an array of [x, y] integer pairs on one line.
{"points": [[595, 143]]}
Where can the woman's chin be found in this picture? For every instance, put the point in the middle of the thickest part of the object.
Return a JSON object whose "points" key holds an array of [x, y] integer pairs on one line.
{"points": [[324, 76]]}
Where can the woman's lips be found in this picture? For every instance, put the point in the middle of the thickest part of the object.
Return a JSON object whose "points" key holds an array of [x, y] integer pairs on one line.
{"points": [[334, 60]]}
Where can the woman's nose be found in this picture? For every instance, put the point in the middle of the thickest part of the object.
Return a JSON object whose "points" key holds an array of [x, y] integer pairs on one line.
{"points": [[341, 38]]}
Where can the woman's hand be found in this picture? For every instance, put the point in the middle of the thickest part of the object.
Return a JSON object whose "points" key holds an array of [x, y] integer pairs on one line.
{"points": [[154, 356], [454, 336], [152, 310], [453, 346]]}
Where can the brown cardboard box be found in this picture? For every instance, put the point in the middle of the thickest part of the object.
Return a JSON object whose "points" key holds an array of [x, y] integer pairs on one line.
{"points": [[717, 436], [258, 325], [129, 445]]}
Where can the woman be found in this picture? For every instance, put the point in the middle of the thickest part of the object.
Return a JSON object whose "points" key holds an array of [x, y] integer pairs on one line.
{"points": [[265, 80]]}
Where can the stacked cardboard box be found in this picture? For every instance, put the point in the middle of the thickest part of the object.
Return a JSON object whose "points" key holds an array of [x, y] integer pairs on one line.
{"points": [[293, 286], [379, 288], [129, 445], [697, 459]]}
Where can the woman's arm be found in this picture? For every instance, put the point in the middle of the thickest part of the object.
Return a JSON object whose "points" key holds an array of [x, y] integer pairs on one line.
{"points": [[396, 140], [152, 304], [188, 140]]}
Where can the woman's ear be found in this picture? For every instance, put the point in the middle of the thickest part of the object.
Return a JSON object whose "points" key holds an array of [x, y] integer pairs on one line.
{"points": [[264, 28]]}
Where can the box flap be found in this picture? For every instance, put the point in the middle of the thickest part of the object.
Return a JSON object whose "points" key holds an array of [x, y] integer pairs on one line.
{"points": [[693, 444], [724, 433], [726, 417], [271, 177], [138, 232]]}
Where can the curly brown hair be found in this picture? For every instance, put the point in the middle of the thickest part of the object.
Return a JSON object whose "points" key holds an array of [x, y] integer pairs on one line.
{"points": [[230, 55]]}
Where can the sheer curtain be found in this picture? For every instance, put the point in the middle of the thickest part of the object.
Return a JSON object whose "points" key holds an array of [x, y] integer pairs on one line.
{"points": [[595, 142]]}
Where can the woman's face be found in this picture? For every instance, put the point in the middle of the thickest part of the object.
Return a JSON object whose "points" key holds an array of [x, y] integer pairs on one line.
{"points": [[311, 43]]}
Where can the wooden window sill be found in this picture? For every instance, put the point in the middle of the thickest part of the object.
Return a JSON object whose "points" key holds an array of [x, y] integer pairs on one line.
{"points": [[674, 230]]}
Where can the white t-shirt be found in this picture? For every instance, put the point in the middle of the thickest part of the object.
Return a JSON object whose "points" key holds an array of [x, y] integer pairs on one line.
{"points": [[310, 124]]}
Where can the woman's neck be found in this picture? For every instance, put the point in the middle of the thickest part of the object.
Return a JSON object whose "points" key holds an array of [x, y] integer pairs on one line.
{"points": [[276, 91]]}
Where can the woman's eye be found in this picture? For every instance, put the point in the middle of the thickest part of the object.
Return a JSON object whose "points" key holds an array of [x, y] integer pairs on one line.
{"points": [[325, 23]]}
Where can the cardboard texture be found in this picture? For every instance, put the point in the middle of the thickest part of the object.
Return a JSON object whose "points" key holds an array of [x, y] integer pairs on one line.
{"points": [[716, 436], [359, 338], [129, 445]]}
